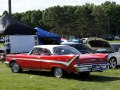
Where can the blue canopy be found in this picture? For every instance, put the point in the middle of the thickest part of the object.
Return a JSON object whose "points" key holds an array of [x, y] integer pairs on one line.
{"points": [[45, 34]]}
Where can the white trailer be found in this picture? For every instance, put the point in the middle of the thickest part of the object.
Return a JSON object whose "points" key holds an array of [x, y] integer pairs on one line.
{"points": [[20, 43]]}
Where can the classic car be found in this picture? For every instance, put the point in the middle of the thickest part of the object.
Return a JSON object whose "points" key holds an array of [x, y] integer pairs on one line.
{"points": [[114, 59], [59, 59]]}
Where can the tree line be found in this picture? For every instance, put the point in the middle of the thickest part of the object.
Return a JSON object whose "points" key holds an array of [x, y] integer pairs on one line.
{"points": [[88, 20]]}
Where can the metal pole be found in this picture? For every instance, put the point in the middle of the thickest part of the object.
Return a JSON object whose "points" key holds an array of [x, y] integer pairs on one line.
{"points": [[9, 6]]}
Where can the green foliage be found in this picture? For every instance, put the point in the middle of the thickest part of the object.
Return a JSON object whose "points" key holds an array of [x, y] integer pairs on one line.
{"points": [[81, 21]]}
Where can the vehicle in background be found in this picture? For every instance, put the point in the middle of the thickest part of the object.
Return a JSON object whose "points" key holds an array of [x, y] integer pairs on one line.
{"points": [[99, 45], [75, 40], [64, 40], [80, 47], [59, 59], [84, 40], [117, 38], [114, 59], [108, 37], [1, 39]]}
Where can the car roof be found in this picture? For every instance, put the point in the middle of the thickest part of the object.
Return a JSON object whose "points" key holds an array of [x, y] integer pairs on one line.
{"points": [[47, 46]]}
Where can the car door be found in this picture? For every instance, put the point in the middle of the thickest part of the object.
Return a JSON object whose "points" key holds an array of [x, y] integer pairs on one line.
{"points": [[55, 60], [32, 60], [117, 55]]}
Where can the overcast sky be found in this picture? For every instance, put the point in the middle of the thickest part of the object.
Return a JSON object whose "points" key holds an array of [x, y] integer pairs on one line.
{"points": [[25, 5]]}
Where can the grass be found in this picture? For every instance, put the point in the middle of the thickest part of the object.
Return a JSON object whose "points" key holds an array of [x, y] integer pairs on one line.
{"points": [[1, 44], [115, 41], [107, 80]]}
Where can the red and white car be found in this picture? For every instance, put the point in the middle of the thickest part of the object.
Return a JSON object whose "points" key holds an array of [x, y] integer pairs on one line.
{"points": [[58, 59]]}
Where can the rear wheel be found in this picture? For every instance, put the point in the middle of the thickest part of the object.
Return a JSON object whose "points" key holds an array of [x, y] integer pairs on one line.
{"points": [[15, 67], [113, 63], [59, 73]]}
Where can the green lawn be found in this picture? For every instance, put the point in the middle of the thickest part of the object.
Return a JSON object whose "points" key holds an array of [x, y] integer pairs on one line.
{"points": [[115, 41], [1, 44], [107, 80]]}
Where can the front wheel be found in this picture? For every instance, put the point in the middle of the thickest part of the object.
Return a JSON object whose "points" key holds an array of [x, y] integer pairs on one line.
{"points": [[113, 63], [58, 72], [15, 67]]}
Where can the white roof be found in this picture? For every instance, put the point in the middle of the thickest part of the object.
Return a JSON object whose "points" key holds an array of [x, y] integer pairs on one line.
{"points": [[50, 47]]}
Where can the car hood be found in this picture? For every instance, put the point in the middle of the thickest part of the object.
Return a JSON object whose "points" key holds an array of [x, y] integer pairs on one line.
{"points": [[96, 43]]}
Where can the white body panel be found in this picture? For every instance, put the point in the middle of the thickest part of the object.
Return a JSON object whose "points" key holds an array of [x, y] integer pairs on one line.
{"points": [[115, 55]]}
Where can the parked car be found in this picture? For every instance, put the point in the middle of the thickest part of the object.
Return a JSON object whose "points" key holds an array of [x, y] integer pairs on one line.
{"points": [[80, 47], [59, 59], [75, 40], [99, 45], [114, 59]]}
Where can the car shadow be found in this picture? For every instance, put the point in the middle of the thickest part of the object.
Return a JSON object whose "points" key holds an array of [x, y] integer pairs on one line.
{"points": [[90, 78], [94, 78]]}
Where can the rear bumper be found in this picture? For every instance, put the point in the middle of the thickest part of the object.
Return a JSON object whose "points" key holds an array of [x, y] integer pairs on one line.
{"points": [[91, 67]]}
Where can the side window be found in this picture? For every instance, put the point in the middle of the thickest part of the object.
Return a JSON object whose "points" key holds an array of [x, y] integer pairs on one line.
{"points": [[33, 51], [45, 51], [36, 51], [40, 51]]}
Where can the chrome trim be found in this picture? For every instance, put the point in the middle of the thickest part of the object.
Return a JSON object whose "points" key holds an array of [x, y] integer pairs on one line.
{"points": [[91, 67], [48, 61], [36, 69]]}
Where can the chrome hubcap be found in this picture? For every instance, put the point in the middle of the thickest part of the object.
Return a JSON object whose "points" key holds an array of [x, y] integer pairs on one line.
{"points": [[58, 72], [112, 63], [15, 67]]}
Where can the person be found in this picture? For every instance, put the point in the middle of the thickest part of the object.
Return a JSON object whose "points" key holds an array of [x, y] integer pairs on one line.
{"points": [[45, 52], [2, 57]]}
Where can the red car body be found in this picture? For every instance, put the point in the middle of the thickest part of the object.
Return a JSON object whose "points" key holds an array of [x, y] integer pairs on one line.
{"points": [[71, 62]]}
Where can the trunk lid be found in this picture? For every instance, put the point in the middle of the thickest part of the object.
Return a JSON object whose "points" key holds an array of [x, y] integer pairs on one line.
{"points": [[92, 58]]}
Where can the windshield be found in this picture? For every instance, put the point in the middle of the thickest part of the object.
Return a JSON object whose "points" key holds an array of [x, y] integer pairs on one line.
{"points": [[115, 47], [65, 50]]}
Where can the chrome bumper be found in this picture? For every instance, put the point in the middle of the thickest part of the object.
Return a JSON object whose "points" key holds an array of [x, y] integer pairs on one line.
{"points": [[7, 63], [91, 67]]}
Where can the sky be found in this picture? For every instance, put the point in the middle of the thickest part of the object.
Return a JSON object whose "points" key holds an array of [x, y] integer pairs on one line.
{"points": [[25, 5]]}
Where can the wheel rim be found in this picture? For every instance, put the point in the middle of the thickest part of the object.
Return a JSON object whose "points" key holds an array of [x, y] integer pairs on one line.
{"points": [[112, 63], [58, 72], [15, 67]]}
